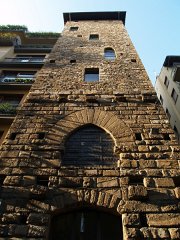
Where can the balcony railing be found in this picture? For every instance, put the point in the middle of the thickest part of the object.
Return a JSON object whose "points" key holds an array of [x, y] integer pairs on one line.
{"points": [[19, 62], [16, 80], [24, 60]]}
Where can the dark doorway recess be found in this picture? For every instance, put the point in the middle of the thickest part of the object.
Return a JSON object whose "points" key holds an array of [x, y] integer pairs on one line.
{"points": [[86, 224], [89, 145]]}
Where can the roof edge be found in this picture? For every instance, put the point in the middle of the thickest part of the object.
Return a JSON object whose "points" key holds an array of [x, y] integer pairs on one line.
{"points": [[90, 16]]}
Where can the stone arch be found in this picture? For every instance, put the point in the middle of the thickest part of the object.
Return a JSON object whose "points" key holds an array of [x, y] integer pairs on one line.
{"points": [[120, 132], [84, 208], [73, 199]]}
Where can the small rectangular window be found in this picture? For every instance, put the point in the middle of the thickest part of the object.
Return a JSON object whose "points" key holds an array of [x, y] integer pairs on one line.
{"points": [[166, 82], [174, 95], [168, 113], [42, 180], [161, 99], [138, 136], [73, 29], [91, 75], [136, 180], [1, 134], [94, 37]]}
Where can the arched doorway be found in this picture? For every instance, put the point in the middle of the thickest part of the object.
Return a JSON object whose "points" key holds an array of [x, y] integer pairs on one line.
{"points": [[86, 224]]}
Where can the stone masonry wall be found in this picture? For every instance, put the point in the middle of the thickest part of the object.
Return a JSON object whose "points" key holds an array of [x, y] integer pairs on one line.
{"points": [[142, 186]]}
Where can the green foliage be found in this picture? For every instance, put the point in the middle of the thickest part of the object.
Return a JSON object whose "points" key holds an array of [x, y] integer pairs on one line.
{"points": [[7, 36], [13, 28], [19, 80], [6, 108], [42, 34]]}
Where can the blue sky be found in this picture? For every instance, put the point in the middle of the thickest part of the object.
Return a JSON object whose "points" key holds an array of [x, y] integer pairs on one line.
{"points": [[153, 25]]}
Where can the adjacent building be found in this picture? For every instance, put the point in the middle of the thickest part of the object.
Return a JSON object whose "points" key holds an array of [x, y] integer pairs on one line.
{"points": [[90, 153], [22, 55], [168, 90]]}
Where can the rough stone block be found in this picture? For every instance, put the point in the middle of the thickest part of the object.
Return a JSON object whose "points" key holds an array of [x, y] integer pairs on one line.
{"points": [[149, 182], [18, 230], [12, 180], [132, 220], [174, 233], [132, 233], [29, 180], [38, 219], [37, 231], [137, 192], [107, 182], [177, 192], [166, 219], [70, 181], [11, 218], [164, 182]]}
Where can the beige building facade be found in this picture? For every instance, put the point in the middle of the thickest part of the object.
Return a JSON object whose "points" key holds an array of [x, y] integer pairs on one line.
{"points": [[167, 87]]}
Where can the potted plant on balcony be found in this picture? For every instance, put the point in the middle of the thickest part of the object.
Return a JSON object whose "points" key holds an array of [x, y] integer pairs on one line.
{"points": [[7, 108], [9, 39]]}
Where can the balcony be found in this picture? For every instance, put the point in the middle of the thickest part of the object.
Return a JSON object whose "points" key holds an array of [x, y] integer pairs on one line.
{"points": [[23, 62], [7, 108], [19, 80], [9, 104], [33, 48]]}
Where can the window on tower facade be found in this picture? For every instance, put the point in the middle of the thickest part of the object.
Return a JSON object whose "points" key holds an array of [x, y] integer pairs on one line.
{"points": [[91, 75], [73, 29], [89, 145], [109, 54], [94, 37], [166, 82], [174, 95]]}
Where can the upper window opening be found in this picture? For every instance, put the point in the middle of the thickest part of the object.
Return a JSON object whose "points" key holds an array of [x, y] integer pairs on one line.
{"points": [[41, 135], [73, 61], [174, 95], [42, 180], [136, 180], [166, 82], [138, 136], [73, 28], [91, 75], [89, 145], [13, 136], [94, 37], [155, 131], [109, 54]]}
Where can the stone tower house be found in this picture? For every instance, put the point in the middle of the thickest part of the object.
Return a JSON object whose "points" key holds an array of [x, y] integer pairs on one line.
{"points": [[91, 154]]}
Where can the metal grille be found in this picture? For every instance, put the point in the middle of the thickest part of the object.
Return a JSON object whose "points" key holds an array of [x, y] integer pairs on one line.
{"points": [[88, 145]]}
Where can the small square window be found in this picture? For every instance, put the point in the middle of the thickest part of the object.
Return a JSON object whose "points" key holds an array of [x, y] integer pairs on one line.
{"points": [[94, 37], [91, 75], [73, 29], [166, 82], [174, 95]]}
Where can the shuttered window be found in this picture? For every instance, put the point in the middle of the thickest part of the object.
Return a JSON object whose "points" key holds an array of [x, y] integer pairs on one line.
{"points": [[89, 145]]}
